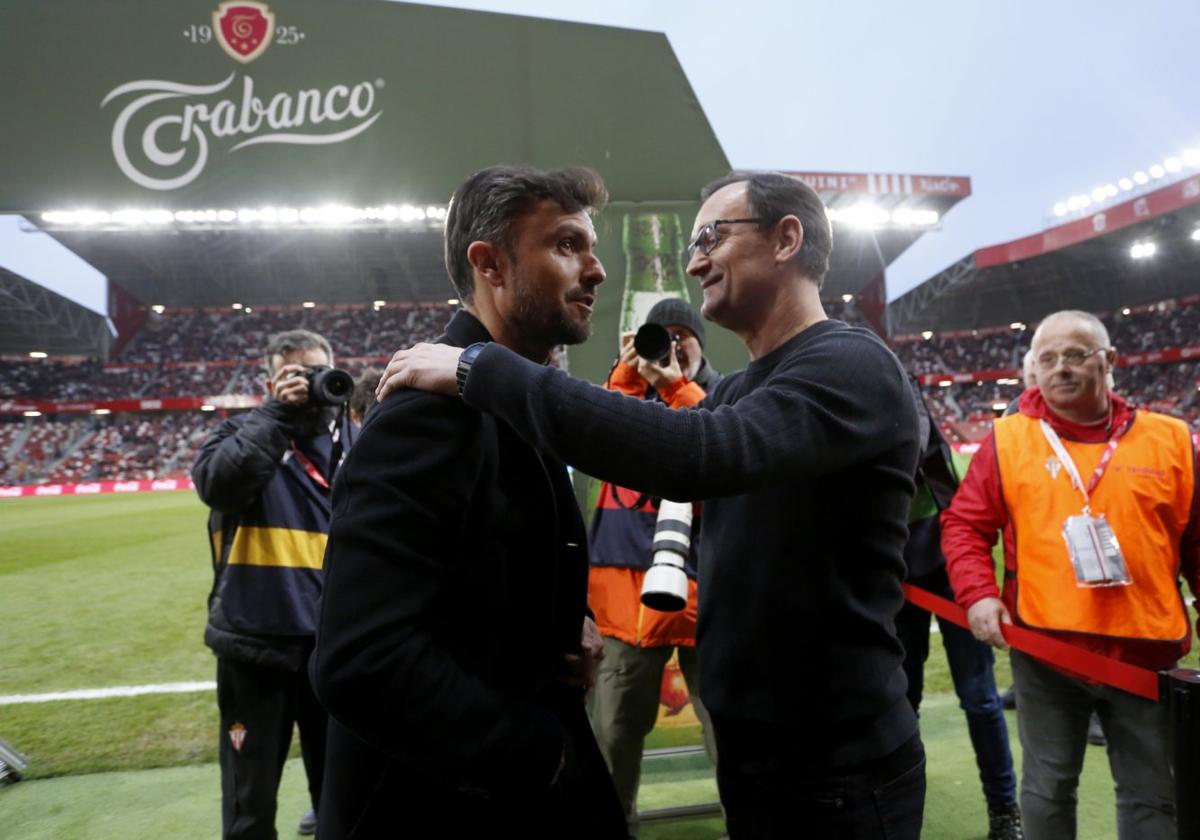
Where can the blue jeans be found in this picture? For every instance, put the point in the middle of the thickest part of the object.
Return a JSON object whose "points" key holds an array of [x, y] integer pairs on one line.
{"points": [[971, 664], [767, 793]]}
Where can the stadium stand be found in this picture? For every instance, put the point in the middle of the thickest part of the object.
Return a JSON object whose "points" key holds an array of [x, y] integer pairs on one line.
{"points": [[209, 353]]}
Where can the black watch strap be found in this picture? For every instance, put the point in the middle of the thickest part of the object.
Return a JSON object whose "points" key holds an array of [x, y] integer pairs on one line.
{"points": [[465, 360]]}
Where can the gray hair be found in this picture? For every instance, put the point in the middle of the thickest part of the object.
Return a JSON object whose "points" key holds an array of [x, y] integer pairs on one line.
{"points": [[292, 341], [1094, 324]]}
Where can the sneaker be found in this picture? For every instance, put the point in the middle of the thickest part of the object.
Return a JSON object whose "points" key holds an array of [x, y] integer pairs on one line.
{"points": [[1096, 731], [1009, 698], [308, 824], [1004, 822]]}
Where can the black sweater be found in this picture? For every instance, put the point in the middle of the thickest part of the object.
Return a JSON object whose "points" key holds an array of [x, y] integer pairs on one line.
{"points": [[805, 462]]}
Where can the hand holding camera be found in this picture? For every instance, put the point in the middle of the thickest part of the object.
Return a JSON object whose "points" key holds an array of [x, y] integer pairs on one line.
{"points": [[652, 352], [298, 385]]}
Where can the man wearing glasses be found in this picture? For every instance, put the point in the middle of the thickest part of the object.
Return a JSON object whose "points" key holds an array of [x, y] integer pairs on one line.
{"points": [[1097, 503], [805, 461]]}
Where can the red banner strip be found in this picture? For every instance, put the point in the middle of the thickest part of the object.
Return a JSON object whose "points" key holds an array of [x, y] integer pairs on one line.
{"points": [[1090, 665], [92, 488]]}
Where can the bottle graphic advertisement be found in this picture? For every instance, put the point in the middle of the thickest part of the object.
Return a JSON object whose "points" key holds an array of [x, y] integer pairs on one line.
{"points": [[653, 245]]}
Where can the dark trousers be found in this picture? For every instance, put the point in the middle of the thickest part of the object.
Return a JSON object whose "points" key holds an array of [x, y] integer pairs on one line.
{"points": [[259, 707], [971, 664], [768, 793]]}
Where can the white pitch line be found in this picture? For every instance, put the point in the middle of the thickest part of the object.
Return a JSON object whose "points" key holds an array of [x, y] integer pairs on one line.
{"points": [[138, 690], [103, 693]]}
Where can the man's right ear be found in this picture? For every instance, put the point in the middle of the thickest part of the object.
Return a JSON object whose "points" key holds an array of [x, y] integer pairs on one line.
{"points": [[488, 262]]}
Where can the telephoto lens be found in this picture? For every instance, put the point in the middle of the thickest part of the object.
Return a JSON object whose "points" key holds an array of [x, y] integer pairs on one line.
{"points": [[329, 385], [652, 342], [665, 587]]}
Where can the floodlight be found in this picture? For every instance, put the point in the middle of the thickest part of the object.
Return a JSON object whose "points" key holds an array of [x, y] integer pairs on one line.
{"points": [[237, 306], [37, 354], [1156, 171], [1191, 157], [289, 215], [1110, 190], [1141, 177], [999, 406], [1125, 184], [380, 303], [1173, 164], [1098, 194], [31, 413], [846, 298], [1060, 209], [945, 383], [1125, 311], [208, 408], [453, 301], [1196, 235], [308, 304], [158, 308], [928, 334], [102, 411]]}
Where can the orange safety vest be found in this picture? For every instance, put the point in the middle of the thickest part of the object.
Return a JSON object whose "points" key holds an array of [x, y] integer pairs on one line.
{"points": [[1146, 494]]}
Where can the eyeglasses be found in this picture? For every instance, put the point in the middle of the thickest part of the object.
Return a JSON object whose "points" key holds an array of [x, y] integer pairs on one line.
{"points": [[709, 237], [1070, 358]]}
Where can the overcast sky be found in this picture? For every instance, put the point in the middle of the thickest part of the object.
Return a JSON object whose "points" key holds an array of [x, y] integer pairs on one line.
{"points": [[1034, 101]]}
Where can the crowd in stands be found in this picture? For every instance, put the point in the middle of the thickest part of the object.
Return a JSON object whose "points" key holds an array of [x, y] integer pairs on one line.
{"points": [[207, 354], [212, 353], [1159, 327], [117, 447]]}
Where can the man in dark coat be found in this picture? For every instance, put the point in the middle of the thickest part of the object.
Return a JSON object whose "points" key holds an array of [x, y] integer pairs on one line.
{"points": [[449, 642]]}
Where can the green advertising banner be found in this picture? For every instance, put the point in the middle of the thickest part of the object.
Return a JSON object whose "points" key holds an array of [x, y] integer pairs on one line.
{"points": [[200, 103]]}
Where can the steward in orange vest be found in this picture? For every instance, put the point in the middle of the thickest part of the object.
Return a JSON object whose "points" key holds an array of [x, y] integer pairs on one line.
{"points": [[1018, 485]]}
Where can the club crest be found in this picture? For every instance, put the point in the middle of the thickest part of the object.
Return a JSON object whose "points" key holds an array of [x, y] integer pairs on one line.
{"points": [[1053, 466], [243, 28], [237, 736]]}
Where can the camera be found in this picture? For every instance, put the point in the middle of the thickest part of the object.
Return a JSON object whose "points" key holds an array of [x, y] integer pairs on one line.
{"points": [[328, 385], [652, 342], [665, 586]]}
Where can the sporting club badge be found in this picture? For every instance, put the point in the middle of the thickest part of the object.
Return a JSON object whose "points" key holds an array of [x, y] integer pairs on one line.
{"points": [[243, 28], [237, 736]]}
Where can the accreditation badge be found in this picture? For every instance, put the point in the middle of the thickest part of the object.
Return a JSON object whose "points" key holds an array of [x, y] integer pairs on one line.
{"points": [[1095, 552]]}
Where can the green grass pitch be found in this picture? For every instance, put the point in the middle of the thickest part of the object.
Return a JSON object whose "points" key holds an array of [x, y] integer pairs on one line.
{"points": [[110, 591]]}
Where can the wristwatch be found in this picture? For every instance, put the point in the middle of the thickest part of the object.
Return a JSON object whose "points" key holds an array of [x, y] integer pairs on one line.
{"points": [[465, 360]]}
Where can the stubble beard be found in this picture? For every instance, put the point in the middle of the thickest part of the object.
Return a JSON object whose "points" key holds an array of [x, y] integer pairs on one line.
{"points": [[543, 320]]}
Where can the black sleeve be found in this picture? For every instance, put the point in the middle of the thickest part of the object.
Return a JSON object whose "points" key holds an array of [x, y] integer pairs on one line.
{"points": [[838, 401], [239, 458], [401, 505]]}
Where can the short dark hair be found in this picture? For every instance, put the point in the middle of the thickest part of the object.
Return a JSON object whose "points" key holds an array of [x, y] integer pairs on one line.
{"points": [[488, 204], [292, 341], [773, 195]]}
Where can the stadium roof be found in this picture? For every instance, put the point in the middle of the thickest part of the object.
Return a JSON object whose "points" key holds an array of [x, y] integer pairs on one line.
{"points": [[877, 217], [1087, 263]]}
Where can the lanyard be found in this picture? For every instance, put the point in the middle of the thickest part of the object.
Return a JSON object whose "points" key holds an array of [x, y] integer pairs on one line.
{"points": [[1069, 464], [310, 468]]}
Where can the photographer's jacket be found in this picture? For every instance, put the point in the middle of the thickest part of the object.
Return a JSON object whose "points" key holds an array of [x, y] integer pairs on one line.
{"points": [[622, 537], [270, 500]]}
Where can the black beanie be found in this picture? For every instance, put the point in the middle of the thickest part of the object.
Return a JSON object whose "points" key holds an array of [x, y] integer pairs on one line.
{"points": [[679, 312]]}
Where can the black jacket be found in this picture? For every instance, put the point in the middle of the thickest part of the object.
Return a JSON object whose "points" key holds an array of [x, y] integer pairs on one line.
{"points": [[268, 524], [456, 580]]}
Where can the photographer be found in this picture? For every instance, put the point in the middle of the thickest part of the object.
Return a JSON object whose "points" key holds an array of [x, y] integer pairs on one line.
{"points": [[638, 640], [266, 476]]}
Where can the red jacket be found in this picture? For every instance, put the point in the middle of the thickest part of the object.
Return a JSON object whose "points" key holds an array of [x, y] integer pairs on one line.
{"points": [[978, 511]]}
